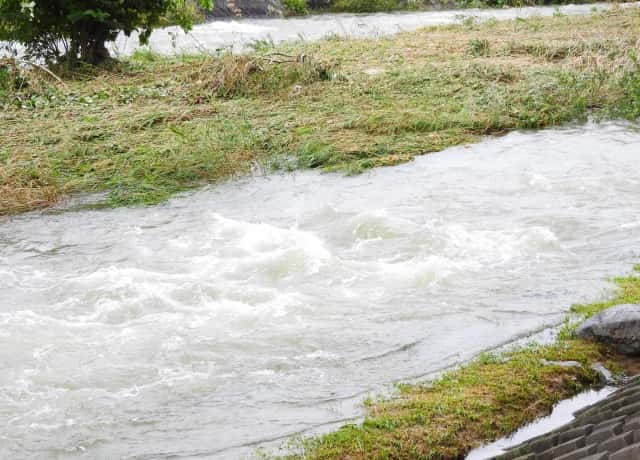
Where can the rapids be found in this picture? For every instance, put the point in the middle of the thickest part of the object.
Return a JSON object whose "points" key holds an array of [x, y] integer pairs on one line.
{"points": [[241, 34], [272, 305]]}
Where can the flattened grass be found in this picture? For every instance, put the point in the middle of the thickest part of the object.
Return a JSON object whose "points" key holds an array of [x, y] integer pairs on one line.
{"points": [[489, 398], [153, 126]]}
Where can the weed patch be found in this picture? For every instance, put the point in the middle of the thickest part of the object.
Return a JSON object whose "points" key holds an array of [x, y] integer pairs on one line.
{"points": [[247, 76]]}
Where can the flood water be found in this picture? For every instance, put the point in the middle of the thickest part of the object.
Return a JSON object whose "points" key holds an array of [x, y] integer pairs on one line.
{"points": [[266, 306], [239, 34]]}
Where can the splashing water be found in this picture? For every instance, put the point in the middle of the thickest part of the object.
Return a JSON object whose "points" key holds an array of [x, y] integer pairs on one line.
{"points": [[240, 34], [263, 307]]}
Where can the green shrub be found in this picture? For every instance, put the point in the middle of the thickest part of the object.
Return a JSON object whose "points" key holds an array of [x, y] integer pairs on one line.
{"points": [[77, 30], [190, 12], [295, 7], [366, 6]]}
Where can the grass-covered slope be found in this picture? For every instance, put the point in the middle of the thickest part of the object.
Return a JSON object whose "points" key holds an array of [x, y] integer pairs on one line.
{"points": [[150, 127], [296, 7], [482, 401]]}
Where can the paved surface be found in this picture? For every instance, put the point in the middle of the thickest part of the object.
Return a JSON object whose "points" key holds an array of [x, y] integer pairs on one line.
{"points": [[607, 430]]}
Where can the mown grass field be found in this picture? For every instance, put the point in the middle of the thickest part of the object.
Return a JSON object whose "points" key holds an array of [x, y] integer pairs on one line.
{"points": [[489, 398], [149, 127]]}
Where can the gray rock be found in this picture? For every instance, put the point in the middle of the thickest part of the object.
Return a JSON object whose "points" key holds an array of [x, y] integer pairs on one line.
{"points": [[618, 326]]}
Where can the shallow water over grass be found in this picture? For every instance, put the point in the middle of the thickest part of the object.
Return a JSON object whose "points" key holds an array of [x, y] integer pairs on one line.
{"points": [[241, 34], [257, 309]]}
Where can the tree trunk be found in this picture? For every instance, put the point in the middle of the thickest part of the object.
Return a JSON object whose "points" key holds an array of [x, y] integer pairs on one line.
{"points": [[88, 45], [95, 52]]}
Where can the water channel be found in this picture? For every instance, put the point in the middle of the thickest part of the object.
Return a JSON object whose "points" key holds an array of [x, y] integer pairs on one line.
{"points": [[240, 34], [272, 305]]}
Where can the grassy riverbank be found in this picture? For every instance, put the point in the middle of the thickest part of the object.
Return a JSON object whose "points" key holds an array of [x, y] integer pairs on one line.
{"points": [[372, 6], [480, 402], [149, 126]]}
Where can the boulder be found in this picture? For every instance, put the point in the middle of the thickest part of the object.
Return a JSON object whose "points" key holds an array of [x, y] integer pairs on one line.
{"points": [[618, 326]]}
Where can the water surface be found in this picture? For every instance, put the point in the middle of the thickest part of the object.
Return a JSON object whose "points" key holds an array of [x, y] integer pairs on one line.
{"points": [[270, 305], [239, 34]]}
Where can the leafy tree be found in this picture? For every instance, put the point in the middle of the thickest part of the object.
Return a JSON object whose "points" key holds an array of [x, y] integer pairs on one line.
{"points": [[77, 30]]}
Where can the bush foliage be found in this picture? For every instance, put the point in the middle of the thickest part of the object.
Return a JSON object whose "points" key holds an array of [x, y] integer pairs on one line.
{"points": [[295, 7], [77, 30]]}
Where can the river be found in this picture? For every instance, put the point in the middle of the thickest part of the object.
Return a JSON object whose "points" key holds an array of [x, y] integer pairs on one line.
{"points": [[240, 34], [271, 305]]}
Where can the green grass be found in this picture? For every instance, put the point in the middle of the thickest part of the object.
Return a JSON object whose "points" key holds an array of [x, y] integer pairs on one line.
{"points": [[150, 126], [295, 7], [372, 6], [628, 292], [513, 3], [489, 398]]}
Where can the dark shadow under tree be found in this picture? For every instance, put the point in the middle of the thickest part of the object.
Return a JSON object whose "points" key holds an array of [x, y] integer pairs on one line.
{"points": [[77, 31]]}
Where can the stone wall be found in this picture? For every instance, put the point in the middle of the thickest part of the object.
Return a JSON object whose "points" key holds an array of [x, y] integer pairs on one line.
{"points": [[607, 430]]}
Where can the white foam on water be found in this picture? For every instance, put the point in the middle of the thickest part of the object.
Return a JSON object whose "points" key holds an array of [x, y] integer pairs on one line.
{"points": [[240, 35], [266, 306]]}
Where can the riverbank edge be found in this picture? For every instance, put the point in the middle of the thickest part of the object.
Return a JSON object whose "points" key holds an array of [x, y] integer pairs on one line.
{"points": [[297, 8], [150, 126], [387, 6], [479, 402]]}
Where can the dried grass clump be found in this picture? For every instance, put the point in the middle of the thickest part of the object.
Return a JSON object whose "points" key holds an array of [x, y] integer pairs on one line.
{"points": [[22, 192], [241, 76]]}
